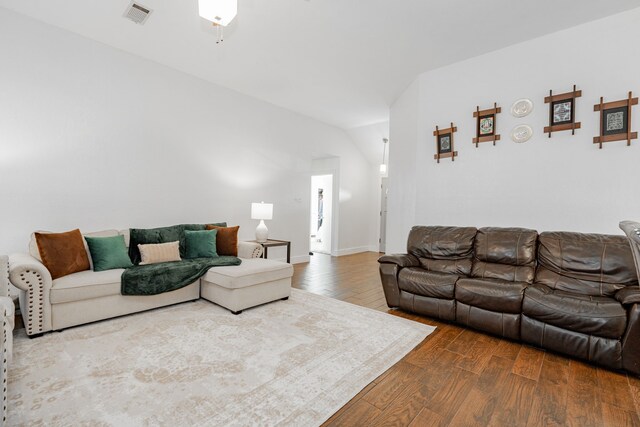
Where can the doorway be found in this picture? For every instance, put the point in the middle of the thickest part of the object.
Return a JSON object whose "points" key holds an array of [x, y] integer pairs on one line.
{"points": [[384, 189], [321, 213]]}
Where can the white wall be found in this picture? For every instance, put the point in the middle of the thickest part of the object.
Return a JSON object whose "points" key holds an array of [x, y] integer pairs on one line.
{"points": [[562, 183], [403, 142], [95, 138]]}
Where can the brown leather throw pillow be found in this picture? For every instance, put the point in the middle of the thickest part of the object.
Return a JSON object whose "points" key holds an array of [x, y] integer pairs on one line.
{"points": [[62, 253], [226, 240]]}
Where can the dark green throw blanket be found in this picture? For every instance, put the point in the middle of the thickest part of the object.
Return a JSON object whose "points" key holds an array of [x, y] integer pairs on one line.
{"points": [[155, 279]]}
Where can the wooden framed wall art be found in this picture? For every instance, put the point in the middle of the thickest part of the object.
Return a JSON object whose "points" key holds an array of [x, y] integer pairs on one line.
{"points": [[444, 143], [562, 111], [486, 125], [615, 120]]}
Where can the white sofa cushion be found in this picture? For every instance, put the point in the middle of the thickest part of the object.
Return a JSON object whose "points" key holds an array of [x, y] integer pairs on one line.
{"points": [[251, 272], [86, 285]]}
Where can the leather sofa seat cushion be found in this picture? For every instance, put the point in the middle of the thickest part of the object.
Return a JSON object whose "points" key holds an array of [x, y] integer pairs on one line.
{"points": [[512, 273], [427, 283], [86, 285], [491, 294], [251, 272], [455, 266], [591, 315], [588, 264]]}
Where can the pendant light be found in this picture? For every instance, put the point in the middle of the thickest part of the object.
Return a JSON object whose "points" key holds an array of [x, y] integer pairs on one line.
{"points": [[383, 165]]}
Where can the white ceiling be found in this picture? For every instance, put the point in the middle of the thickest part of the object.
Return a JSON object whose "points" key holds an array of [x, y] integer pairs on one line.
{"points": [[340, 61]]}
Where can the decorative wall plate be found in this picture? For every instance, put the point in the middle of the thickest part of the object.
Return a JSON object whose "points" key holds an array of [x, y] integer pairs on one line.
{"points": [[522, 107], [521, 133]]}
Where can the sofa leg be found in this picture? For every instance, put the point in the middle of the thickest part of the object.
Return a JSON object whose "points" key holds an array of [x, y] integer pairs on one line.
{"points": [[236, 312], [36, 335], [284, 299]]}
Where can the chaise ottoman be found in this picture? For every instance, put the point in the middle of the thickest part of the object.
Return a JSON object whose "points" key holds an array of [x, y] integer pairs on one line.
{"points": [[254, 282]]}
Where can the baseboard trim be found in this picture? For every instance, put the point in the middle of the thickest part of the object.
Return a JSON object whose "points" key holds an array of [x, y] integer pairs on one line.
{"points": [[356, 250], [299, 259]]}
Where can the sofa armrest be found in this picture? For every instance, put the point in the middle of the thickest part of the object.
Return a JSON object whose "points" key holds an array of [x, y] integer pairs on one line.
{"points": [[401, 260], [628, 295], [249, 250], [34, 281], [6, 348], [631, 340]]}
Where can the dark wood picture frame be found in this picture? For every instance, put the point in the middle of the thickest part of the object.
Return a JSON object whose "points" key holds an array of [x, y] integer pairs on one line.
{"points": [[444, 143], [489, 114], [622, 111], [558, 125]]}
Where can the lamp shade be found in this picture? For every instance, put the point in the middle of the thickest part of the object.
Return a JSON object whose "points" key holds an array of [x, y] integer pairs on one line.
{"points": [[261, 210], [219, 12]]}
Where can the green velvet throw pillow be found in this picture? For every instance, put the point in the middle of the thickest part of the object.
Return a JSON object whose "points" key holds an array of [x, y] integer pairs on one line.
{"points": [[108, 253], [200, 244]]}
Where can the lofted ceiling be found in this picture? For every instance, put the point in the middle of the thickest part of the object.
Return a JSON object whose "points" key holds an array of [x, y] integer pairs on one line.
{"points": [[343, 62]]}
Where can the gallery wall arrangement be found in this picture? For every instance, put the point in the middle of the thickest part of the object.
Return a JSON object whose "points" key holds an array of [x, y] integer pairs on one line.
{"points": [[615, 122]]}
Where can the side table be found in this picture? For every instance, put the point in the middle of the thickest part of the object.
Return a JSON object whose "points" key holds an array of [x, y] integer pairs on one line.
{"points": [[271, 243]]}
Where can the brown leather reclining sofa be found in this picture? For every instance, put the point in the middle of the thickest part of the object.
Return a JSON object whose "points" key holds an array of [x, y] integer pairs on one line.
{"points": [[572, 293]]}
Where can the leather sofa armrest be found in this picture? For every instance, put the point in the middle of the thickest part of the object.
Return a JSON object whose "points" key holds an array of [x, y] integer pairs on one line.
{"points": [[390, 266], [401, 260], [629, 295], [249, 250], [631, 340], [34, 281]]}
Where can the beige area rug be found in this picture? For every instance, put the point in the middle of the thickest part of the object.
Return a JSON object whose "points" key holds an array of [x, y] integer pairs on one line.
{"points": [[289, 363]]}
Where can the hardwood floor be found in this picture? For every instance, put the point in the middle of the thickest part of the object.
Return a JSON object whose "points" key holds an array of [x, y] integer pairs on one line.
{"points": [[459, 377]]}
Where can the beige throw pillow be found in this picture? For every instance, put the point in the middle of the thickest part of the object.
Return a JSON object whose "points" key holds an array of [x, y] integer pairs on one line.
{"points": [[159, 252]]}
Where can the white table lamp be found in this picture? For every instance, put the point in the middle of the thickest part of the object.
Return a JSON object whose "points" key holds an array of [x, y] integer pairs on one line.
{"points": [[262, 211]]}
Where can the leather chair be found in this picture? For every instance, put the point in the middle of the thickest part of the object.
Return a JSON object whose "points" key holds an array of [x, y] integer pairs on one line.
{"points": [[503, 267]]}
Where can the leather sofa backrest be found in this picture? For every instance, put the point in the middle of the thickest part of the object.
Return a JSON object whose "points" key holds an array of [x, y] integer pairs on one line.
{"points": [[588, 264], [505, 253], [443, 249]]}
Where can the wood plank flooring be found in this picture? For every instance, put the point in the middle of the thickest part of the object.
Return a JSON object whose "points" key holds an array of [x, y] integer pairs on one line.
{"points": [[460, 377]]}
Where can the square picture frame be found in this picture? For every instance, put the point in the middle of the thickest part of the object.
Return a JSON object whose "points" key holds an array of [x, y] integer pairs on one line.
{"points": [[615, 120], [486, 125], [445, 143], [562, 112]]}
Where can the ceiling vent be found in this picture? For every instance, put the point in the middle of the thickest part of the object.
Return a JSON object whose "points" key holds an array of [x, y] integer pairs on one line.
{"points": [[137, 13]]}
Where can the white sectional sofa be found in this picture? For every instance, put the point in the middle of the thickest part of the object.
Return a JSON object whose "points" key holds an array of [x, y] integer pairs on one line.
{"points": [[88, 296]]}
